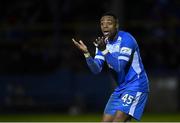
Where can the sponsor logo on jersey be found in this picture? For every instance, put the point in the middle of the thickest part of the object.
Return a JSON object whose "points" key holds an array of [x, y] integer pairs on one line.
{"points": [[125, 51]]}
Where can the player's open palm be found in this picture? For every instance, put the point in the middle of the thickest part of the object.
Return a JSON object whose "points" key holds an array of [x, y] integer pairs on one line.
{"points": [[80, 45]]}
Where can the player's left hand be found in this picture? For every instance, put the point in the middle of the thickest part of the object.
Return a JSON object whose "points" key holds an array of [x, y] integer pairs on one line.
{"points": [[100, 42], [80, 45]]}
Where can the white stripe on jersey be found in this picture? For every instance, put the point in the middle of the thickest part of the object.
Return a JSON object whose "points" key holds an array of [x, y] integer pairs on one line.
{"points": [[99, 57], [123, 58], [134, 104], [135, 63], [96, 50]]}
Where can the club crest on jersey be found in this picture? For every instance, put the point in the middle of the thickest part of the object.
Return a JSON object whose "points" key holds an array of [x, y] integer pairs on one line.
{"points": [[125, 51], [119, 38]]}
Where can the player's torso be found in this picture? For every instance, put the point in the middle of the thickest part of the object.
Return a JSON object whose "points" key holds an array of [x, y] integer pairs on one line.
{"points": [[114, 48], [134, 72]]}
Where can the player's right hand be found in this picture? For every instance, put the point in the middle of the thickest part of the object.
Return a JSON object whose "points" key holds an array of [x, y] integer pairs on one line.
{"points": [[80, 45], [100, 42]]}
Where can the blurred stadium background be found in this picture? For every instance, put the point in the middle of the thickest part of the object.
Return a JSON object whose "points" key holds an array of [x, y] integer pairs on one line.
{"points": [[44, 78]]}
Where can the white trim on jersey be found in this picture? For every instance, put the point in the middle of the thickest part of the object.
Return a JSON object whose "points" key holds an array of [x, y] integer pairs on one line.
{"points": [[123, 58], [134, 104], [126, 51], [99, 57], [135, 63], [96, 50]]}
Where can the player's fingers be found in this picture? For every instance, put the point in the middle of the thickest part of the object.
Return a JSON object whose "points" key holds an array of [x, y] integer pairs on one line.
{"points": [[103, 38], [95, 41], [98, 40], [76, 43], [95, 44], [73, 40], [81, 42]]}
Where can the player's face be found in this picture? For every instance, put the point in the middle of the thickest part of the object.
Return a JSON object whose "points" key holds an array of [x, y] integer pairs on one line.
{"points": [[108, 26]]}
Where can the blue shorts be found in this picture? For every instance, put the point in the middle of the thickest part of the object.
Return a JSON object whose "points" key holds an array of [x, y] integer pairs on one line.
{"points": [[129, 102]]}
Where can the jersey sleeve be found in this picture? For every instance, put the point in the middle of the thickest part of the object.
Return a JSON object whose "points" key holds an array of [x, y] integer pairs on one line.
{"points": [[96, 64], [127, 47]]}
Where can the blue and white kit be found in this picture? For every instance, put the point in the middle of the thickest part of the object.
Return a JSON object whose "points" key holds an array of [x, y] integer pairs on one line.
{"points": [[123, 59]]}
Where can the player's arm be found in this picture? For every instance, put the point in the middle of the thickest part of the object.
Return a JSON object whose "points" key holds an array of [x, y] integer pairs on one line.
{"points": [[117, 64], [126, 50], [112, 62], [95, 65]]}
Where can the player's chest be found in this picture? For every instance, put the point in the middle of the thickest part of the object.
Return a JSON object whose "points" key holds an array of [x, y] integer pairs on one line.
{"points": [[113, 48]]}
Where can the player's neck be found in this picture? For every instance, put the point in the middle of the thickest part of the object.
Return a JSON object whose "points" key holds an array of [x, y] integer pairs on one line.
{"points": [[114, 37]]}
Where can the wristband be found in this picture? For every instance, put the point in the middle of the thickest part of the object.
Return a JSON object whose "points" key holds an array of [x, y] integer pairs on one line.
{"points": [[87, 55], [104, 52]]}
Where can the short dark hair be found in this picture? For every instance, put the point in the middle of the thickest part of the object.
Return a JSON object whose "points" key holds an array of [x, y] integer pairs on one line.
{"points": [[110, 14]]}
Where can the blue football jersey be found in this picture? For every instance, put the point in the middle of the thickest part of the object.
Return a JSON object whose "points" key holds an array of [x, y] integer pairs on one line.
{"points": [[124, 62]]}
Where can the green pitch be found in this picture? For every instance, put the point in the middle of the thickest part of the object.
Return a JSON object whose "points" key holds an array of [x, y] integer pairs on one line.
{"points": [[79, 118]]}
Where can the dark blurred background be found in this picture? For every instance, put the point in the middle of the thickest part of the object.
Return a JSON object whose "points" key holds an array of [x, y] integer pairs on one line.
{"points": [[41, 70]]}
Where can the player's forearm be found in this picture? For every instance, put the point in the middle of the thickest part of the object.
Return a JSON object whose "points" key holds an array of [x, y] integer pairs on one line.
{"points": [[115, 63], [92, 64]]}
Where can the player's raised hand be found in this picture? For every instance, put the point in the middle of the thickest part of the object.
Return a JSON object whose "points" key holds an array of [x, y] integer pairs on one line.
{"points": [[80, 45], [100, 42]]}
